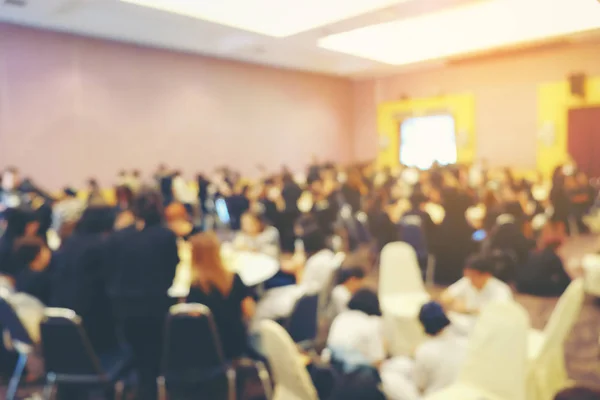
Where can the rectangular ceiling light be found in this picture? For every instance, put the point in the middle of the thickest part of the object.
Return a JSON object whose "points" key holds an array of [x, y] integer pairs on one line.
{"points": [[278, 18], [476, 27]]}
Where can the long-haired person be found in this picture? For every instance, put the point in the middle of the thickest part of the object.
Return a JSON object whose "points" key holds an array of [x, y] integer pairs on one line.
{"points": [[141, 260], [222, 291]]}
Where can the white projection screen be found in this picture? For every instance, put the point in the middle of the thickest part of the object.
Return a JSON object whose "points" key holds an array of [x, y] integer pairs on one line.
{"points": [[428, 139]]}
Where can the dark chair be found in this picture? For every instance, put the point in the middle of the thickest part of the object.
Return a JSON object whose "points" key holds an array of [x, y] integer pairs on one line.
{"points": [[194, 365], [71, 360], [20, 341], [303, 323]]}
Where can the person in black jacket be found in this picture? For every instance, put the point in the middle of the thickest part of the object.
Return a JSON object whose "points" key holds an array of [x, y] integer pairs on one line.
{"points": [[79, 277], [141, 261], [20, 222]]}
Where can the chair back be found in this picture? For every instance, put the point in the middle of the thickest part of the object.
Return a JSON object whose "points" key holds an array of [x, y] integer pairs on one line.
{"points": [[399, 271], [66, 348], [303, 323], [9, 321], [413, 234], [292, 381], [193, 350], [563, 317], [496, 361]]}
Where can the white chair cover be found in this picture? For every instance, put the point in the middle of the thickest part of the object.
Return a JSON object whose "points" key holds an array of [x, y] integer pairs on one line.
{"points": [[496, 360], [591, 268], [401, 294], [292, 381], [547, 372]]}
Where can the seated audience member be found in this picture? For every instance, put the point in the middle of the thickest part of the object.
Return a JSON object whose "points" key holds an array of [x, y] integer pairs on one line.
{"points": [[578, 393], [34, 277], [229, 300], [178, 220], [141, 262], [356, 340], [438, 360], [544, 273], [256, 236], [477, 288], [350, 280], [79, 279], [311, 277], [19, 223]]}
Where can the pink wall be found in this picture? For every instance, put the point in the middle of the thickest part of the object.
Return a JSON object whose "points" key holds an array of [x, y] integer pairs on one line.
{"points": [[71, 108], [505, 90]]}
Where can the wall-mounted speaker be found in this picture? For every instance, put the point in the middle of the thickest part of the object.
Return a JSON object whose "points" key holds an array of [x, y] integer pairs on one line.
{"points": [[577, 84]]}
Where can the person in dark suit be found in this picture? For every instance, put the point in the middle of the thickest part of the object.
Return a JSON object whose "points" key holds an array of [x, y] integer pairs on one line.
{"points": [[20, 222], [79, 277], [141, 261]]}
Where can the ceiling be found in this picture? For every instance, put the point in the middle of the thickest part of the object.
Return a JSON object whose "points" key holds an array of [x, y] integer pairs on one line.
{"points": [[354, 38]]}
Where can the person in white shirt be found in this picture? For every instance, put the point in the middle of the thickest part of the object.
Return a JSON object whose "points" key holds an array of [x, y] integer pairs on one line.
{"points": [[257, 236], [350, 280], [356, 339], [477, 288], [312, 277], [438, 360]]}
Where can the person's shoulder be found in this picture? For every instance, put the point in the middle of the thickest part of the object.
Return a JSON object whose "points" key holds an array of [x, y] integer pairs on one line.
{"points": [[498, 285]]}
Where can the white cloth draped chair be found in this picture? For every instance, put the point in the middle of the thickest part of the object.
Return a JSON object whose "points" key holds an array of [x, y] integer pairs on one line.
{"points": [[401, 295], [547, 373], [496, 361], [292, 381]]}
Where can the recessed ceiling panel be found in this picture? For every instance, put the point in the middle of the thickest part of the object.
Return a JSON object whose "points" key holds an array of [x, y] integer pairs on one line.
{"points": [[476, 27], [277, 18]]}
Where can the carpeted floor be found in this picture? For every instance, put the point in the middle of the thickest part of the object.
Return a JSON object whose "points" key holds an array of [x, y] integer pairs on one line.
{"points": [[582, 349]]}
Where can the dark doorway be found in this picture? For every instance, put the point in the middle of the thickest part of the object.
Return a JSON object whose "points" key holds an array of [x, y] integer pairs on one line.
{"points": [[584, 139]]}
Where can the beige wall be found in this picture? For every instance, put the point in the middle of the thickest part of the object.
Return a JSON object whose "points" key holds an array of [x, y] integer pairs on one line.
{"points": [[72, 108], [505, 91]]}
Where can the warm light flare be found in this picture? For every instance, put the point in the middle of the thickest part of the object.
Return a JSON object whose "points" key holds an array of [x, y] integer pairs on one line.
{"points": [[278, 18], [479, 26]]}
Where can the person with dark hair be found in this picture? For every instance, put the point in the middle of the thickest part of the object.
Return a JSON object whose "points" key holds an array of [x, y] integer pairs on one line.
{"points": [[141, 261], [438, 360], [417, 203], [79, 277], [356, 340], [477, 288], [19, 222], [349, 281], [34, 278], [95, 196], [578, 393], [257, 236]]}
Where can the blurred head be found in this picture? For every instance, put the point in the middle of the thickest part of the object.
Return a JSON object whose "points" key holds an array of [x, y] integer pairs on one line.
{"points": [[417, 199], [148, 207], [124, 195], [433, 318], [93, 184], [10, 178], [366, 301], [252, 224], [478, 271], [69, 192], [353, 278], [178, 219], [21, 222], [33, 252], [96, 219]]}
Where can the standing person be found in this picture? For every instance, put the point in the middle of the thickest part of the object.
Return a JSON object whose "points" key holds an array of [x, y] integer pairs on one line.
{"points": [[79, 277], [229, 300], [141, 263], [95, 197], [20, 222], [559, 199]]}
